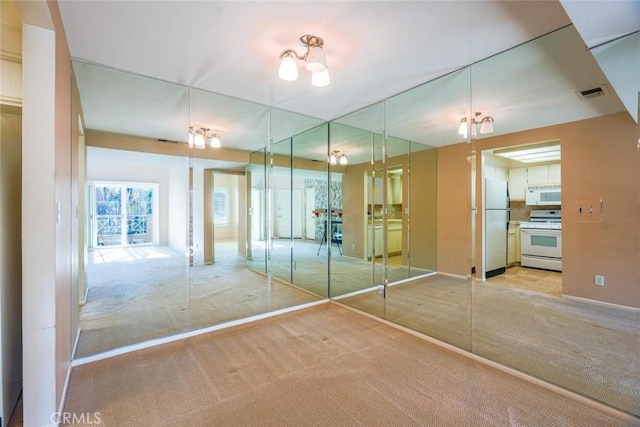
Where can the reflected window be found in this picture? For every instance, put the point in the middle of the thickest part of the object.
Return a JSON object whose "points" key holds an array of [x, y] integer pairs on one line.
{"points": [[220, 206]]}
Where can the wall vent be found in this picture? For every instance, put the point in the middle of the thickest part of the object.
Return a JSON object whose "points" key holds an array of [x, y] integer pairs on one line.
{"points": [[592, 93]]}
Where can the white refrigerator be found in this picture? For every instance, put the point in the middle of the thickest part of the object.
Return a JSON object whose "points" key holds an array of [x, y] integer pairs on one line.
{"points": [[496, 226]]}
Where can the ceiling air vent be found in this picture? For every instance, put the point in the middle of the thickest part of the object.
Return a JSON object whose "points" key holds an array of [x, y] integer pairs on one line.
{"points": [[592, 93]]}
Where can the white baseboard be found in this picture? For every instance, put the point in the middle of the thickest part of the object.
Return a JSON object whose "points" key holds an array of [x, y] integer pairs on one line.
{"points": [[159, 341], [602, 303]]}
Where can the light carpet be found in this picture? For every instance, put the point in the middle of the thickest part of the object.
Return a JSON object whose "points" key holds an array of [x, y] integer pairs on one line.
{"points": [[321, 366]]}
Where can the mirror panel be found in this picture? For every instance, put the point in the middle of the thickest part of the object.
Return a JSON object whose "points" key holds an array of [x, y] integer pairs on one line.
{"points": [[281, 192], [357, 275], [283, 126], [396, 227], [423, 125], [559, 326], [222, 287], [257, 209], [311, 197], [298, 188], [137, 175]]}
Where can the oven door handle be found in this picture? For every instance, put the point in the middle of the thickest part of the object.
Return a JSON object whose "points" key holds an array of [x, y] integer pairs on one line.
{"points": [[544, 231]]}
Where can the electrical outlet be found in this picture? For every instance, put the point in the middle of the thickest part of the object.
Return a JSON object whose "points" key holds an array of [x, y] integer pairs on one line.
{"points": [[353, 246], [599, 281]]}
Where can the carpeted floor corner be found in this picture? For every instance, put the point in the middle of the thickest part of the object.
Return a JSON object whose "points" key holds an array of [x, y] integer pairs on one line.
{"points": [[321, 366]]}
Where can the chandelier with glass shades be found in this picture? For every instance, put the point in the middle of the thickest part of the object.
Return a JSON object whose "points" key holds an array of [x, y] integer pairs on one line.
{"points": [[338, 158], [485, 124], [198, 138], [314, 59]]}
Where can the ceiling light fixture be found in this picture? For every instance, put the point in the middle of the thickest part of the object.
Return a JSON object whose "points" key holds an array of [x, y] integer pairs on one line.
{"points": [[485, 123], [314, 58], [198, 138], [337, 158]]}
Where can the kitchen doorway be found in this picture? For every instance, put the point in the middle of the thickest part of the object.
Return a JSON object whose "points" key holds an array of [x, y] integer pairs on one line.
{"points": [[525, 169]]}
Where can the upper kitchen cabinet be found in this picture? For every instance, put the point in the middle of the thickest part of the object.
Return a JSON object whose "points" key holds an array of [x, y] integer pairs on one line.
{"points": [[395, 186], [543, 175], [517, 183], [375, 190], [520, 178], [554, 174]]}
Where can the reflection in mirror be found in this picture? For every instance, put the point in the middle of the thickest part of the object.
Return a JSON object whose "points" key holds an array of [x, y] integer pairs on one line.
{"points": [[281, 211], [256, 176], [283, 126], [548, 314], [355, 276], [312, 236], [137, 285], [166, 231], [297, 188], [222, 287], [299, 191], [434, 214]]}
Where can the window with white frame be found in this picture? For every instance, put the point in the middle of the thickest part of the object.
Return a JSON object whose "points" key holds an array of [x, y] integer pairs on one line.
{"points": [[220, 206]]}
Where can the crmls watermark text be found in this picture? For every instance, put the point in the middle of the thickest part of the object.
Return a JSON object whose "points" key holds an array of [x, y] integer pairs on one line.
{"points": [[84, 418]]}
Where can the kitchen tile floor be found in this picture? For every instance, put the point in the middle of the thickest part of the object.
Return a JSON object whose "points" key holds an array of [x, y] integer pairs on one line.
{"points": [[533, 279]]}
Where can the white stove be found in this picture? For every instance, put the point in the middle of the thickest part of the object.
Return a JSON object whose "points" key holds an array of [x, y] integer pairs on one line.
{"points": [[541, 240], [544, 219]]}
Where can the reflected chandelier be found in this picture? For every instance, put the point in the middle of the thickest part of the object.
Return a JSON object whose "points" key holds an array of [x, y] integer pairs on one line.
{"points": [[198, 138], [338, 158], [314, 58], [486, 125]]}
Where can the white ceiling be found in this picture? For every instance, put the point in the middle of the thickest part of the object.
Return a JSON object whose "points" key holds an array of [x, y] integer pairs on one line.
{"points": [[374, 50], [600, 22]]}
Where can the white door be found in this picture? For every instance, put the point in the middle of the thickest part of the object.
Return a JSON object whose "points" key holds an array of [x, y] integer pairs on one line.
{"points": [[310, 218], [290, 214], [298, 214], [283, 213]]}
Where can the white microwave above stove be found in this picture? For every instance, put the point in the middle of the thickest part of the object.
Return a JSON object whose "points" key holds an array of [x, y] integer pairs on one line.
{"points": [[541, 195]]}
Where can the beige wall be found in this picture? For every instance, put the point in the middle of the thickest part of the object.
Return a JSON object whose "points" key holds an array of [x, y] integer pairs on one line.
{"points": [[116, 141], [599, 160], [454, 210], [423, 239], [354, 221]]}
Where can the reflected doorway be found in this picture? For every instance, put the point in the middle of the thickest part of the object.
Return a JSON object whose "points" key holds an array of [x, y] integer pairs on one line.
{"points": [[229, 207]]}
